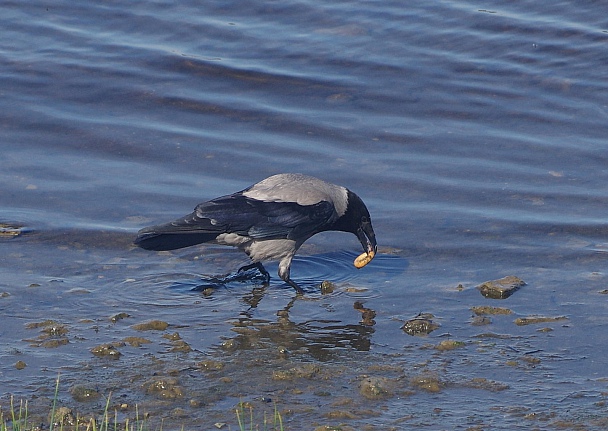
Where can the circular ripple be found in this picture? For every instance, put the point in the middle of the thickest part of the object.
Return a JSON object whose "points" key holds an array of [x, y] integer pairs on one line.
{"points": [[307, 271]]}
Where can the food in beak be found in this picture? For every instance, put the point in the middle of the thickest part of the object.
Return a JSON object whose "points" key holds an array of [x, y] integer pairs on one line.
{"points": [[363, 259]]}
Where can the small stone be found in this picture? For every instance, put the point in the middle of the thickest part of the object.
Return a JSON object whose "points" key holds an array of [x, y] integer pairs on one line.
{"points": [[20, 365]]}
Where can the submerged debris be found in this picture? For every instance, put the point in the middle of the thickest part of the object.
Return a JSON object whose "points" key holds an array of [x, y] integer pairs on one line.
{"points": [[210, 365], [531, 320], [376, 388], [501, 288], [165, 388], [420, 325], [119, 316], [485, 384], [82, 393], [327, 287], [334, 428], [106, 351], [52, 334], [486, 309], [427, 381], [152, 325], [179, 345], [11, 230], [449, 345], [304, 371], [481, 321], [368, 314], [63, 416], [136, 341]]}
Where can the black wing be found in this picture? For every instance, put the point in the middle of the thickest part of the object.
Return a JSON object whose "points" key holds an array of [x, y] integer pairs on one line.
{"points": [[265, 220], [241, 215]]}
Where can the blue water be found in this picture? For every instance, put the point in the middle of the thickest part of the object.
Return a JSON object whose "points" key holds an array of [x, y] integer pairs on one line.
{"points": [[476, 135]]}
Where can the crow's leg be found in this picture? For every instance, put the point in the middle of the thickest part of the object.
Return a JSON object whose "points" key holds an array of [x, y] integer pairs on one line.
{"points": [[293, 284], [284, 271], [259, 267]]}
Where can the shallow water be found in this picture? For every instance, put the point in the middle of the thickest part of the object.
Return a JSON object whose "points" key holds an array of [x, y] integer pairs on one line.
{"points": [[475, 136]]}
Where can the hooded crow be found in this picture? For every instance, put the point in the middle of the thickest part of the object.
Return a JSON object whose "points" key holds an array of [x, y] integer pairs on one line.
{"points": [[269, 221]]}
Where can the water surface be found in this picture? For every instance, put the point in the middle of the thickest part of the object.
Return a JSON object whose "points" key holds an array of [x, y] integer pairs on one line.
{"points": [[475, 135]]}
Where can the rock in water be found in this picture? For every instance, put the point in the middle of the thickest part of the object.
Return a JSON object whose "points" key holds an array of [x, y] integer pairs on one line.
{"points": [[501, 288]]}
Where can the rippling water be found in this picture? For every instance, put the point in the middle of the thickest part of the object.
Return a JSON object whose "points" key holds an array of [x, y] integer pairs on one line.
{"points": [[476, 135]]}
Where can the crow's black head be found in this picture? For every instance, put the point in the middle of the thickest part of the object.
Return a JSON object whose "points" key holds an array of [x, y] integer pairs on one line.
{"points": [[357, 220]]}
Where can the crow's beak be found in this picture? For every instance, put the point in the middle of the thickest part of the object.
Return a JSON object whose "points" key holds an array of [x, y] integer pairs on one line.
{"points": [[367, 238]]}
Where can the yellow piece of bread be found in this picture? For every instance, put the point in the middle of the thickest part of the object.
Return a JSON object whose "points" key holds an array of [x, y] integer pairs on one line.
{"points": [[363, 259]]}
